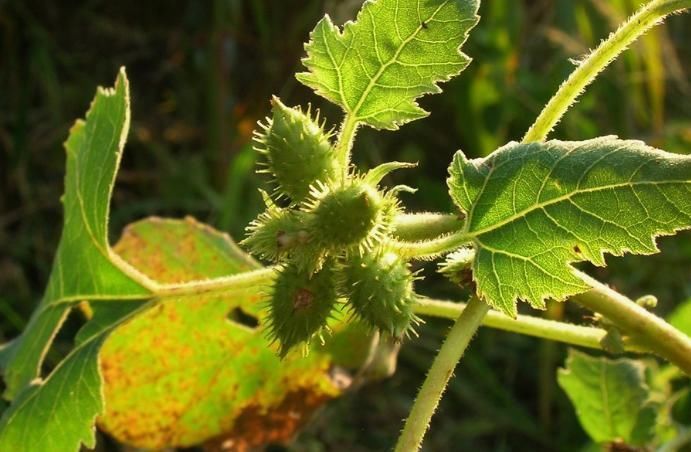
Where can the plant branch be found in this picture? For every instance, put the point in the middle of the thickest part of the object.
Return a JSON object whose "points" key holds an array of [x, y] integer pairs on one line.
{"points": [[648, 329], [593, 64], [425, 226], [439, 374], [429, 249], [223, 284], [577, 335], [345, 143]]}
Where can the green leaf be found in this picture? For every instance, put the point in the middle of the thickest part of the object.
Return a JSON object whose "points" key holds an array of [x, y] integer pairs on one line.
{"points": [[85, 268], [58, 413], [611, 398], [201, 367], [395, 52], [534, 209], [680, 318]]}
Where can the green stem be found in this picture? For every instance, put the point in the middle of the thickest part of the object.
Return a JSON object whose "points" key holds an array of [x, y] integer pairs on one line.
{"points": [[428, 249], [650, 330], [425, 226], [439, 374], [345, 143], [577, 335], [217, 285], [590, 67]]}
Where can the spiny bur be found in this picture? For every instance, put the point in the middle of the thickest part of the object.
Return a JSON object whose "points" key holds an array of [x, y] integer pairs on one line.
{"points": [[379, 288], [300, 305], [355, 215], [297, 149]]}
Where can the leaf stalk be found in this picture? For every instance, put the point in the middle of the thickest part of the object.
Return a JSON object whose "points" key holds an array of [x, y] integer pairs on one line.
{"points": [[576, 335], [618, 41], [650, 330]]}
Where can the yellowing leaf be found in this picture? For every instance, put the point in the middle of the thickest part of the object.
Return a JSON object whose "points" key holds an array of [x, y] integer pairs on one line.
{"points": [[199, 367]]}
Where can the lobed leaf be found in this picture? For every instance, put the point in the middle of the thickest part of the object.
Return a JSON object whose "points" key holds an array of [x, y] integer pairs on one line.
{"points": [[395, 51], [534, 209], [611, 398]]}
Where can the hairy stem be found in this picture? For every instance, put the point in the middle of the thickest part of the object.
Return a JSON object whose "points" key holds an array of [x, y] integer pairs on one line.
{"points": [[590, 67], [428, 249], [345, 143], [425, 226], [582, 336], [650, 330], [439, 374], [224, 284]]}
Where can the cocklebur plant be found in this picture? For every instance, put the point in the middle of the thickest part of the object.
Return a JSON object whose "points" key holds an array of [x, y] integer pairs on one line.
{"points": [[340, 246]]}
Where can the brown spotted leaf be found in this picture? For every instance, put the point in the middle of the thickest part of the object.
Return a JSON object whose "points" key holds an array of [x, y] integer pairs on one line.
{"points": [[199, 368]]}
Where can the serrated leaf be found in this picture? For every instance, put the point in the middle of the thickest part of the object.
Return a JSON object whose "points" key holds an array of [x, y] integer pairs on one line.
{"points": [[57, 413], [611, 398], [534, 209], [199, 367], [395, 52]]}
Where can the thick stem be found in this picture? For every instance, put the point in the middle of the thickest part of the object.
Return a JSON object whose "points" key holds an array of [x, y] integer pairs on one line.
{"points": [[439, 374], [577, 335], [648, 329], [425, 226], [590, 67]]}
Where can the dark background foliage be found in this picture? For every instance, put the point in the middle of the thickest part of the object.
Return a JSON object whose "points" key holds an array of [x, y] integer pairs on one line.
{"points": [[201, 74]]}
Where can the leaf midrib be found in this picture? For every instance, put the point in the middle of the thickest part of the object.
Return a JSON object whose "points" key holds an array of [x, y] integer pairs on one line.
{"points": [[373, 81], [472, 234]]}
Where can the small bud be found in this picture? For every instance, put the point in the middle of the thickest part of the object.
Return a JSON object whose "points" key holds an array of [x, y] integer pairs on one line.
{"points": [[457, 267]]}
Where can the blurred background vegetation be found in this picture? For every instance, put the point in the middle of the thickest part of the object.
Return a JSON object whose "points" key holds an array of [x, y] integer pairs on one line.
{"points": [[201, 74]]}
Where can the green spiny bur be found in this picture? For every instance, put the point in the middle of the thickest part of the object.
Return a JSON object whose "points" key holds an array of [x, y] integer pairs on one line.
{"points": [[298, 151], [353, 215], [275, 232], [379, 287], [300, 305]]}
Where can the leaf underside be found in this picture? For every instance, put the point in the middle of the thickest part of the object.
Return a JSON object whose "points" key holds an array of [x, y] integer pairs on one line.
{"points": [[85, 268], [395, 52], [611, 398], [534, 209]]}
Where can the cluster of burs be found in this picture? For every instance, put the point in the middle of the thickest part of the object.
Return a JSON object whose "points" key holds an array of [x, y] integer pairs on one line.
{"points": [[328, 228]]}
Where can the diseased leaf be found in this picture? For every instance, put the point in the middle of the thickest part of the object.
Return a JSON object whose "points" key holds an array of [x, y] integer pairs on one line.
{"points": [[534, 209], [200, 367], [611, 398], [395, 52], [84, 268]]}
